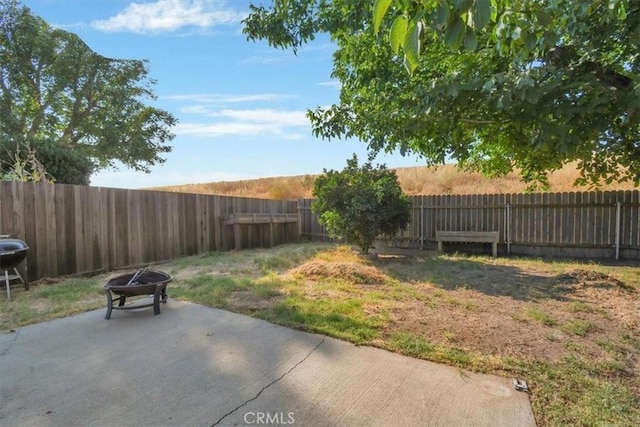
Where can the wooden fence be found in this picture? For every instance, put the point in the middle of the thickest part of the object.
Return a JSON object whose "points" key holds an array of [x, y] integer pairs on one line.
{"points": [[583, 224], [77, 229]]}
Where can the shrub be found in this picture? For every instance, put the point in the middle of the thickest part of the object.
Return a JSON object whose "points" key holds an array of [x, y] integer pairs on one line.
{"points": [[359, 203]]}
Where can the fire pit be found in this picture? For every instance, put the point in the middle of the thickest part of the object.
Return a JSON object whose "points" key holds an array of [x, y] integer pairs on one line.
{"points": [[12, 253], [139, 283]]}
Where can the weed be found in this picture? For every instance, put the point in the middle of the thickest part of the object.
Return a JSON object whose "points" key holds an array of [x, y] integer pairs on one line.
{"points": [[574, 346], [449, 336], [273, 263], [630, 339], [580, 307], [577, 327], [541, 316], [438, 293]]}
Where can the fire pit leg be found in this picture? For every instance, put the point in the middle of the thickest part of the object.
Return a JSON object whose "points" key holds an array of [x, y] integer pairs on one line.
{"points": [[109, 304], [156, 300]]}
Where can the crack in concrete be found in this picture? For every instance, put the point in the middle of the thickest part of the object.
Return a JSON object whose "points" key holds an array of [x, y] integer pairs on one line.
{"points": [[15, 338], [268, 385]]}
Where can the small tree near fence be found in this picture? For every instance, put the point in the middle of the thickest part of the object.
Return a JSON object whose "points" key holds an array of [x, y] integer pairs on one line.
{"points": [[359, 203]]}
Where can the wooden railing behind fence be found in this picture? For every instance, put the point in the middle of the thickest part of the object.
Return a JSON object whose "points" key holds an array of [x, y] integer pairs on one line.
{"points": [[582, 224], [79, 229]]}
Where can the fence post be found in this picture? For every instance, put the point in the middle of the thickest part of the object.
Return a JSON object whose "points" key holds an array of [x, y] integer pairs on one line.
{"points": [[507, 227], [299, 211], [421, 223], [618, 212]]}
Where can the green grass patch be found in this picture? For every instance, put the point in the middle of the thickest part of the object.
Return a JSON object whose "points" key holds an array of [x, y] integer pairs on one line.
{"points": [[572, 392], [46, 302], [339, 318], [578, 327], [628, 338], [208, 259], [419, 347], [580, 307], [209, 289], [274, 263], [541, 316]]}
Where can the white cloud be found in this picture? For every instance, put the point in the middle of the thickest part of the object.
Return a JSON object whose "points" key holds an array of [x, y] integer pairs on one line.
{"points": [[268, 116], [225, 129], [273, 58], [169, 15], [331, 83], [282, 123], [217, 119], [195, 109], [215, 98]]}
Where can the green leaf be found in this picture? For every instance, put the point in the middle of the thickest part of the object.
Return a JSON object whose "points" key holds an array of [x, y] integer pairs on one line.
{"points": [[442, 13], [412, 44], [544, 18], [532, 96], [398, 32], [470, 40], [455, 33], [481, 13], [622, 12], [530, 41], [461, 6], [380, 8]]}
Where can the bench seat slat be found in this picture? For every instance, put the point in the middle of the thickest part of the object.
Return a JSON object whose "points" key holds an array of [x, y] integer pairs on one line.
{"points": [[492, 237]]}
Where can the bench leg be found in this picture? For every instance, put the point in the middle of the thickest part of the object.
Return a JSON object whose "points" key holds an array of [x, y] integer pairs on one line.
{"points": [[494, 249], [439, 245]]}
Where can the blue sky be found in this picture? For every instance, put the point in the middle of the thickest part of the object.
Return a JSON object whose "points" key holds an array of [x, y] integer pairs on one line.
{"points": [[241, 105]]}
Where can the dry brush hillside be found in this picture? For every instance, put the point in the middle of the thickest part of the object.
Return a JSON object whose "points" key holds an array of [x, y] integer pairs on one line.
{"points": [[446, 179]]}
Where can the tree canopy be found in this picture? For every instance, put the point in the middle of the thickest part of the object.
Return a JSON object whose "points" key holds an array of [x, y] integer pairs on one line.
{"points": [[496, 85], [361, 202], [64, 166], [57, 93]]}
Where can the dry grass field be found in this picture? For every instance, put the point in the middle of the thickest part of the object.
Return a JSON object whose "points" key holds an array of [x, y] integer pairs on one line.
{"points": [[446, 179]]}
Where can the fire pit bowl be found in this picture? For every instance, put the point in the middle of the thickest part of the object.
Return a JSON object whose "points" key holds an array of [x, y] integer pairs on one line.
{"points": [[141, 282]]}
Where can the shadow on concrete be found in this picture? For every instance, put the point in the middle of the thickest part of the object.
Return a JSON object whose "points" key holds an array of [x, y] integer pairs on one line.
{"points": [[194, 365]]}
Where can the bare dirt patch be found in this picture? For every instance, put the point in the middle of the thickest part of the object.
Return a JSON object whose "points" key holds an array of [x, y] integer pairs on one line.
{"points": [[517, 309]]}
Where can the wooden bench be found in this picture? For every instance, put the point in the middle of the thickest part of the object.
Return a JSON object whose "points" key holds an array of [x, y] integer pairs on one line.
{"points": [[469, 237], [255, 218]]}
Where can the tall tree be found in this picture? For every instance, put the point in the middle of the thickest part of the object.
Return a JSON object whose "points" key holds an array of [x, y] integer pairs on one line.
{"points": [[54, 88], [493, 84]]}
